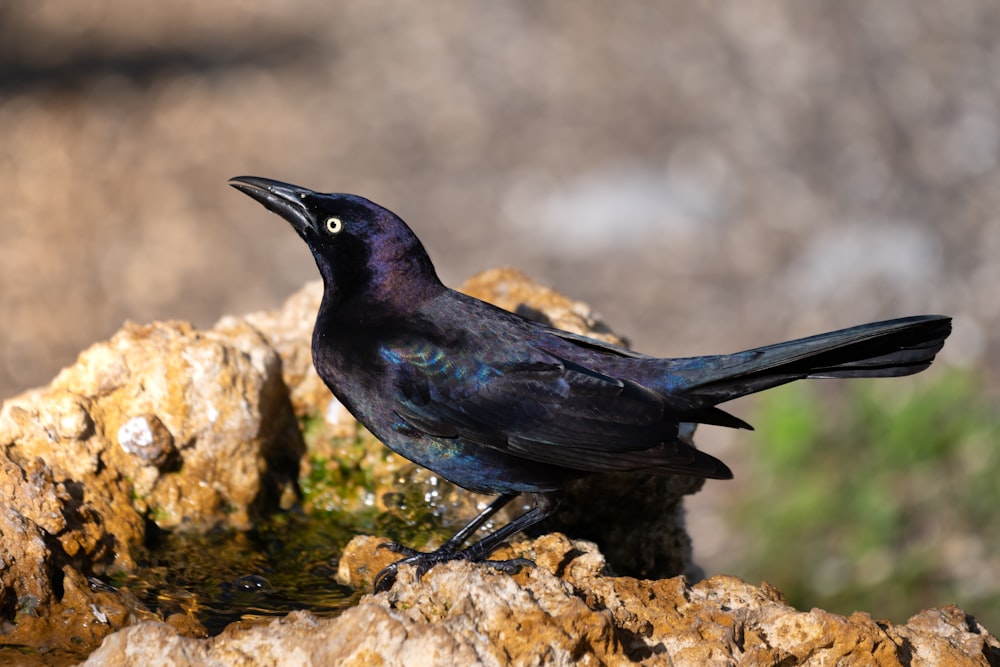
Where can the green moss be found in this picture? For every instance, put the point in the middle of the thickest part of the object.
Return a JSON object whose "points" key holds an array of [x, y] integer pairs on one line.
{"points": [[358, 480], [341, 482]]}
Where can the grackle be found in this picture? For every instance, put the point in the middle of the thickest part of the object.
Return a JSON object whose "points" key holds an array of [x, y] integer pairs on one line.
{"points": [[503, 405]]}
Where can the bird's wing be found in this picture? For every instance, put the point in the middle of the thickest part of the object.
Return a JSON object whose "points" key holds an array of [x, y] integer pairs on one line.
{"points": [[538, 405], [541, 408]]}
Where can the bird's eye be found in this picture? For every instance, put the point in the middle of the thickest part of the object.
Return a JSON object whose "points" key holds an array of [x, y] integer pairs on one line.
{"points": [[334, 225]]}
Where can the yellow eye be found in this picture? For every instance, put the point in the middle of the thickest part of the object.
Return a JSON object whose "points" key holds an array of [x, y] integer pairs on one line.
{"points": [[334, 225]]}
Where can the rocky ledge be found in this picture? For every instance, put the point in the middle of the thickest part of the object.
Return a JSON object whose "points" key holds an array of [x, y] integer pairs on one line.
{"points": [[166, 427], [563, 611]]}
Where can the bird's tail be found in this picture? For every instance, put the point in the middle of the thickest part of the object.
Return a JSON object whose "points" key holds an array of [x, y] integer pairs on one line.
{"points": [[880, 349]]}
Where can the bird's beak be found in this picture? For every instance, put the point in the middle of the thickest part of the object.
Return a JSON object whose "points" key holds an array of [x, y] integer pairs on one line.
{"points": [[282, 198]]}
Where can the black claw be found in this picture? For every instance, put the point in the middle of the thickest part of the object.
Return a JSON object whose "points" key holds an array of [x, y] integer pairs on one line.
{"points": [[397, 548], [385, 579]]}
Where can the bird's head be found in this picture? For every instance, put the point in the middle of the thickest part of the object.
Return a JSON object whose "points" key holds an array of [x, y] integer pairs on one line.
{"points": [[363, 251]]}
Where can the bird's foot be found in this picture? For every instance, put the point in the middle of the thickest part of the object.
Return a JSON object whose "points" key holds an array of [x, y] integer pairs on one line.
{"points": [[424, 561]]}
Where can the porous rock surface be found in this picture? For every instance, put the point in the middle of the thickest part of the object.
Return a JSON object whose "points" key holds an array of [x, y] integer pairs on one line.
{"points": [[564, 611], [187, 429]]}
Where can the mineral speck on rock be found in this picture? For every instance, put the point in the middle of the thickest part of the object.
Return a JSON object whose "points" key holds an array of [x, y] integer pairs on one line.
{"points": [[146, 437]]}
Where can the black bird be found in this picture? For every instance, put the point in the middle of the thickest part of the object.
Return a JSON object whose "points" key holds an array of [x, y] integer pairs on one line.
{"points": [[503, 405]]}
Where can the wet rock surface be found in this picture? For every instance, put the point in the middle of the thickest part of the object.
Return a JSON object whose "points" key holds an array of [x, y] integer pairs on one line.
{"points": [[564, 611]]}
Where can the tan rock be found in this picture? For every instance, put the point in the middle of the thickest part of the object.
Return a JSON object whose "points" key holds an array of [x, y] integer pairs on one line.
{"points": [[564, 611], [288, 330], [189, 428]]}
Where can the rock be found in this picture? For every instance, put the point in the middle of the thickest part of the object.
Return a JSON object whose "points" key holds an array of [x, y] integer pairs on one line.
{"points": [[564, 611], [188, 429], [638, 522], [288, 330], [512, 290]]}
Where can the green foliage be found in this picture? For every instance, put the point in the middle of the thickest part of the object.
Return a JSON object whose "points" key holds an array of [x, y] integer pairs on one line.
{"points": [[877, 496]]}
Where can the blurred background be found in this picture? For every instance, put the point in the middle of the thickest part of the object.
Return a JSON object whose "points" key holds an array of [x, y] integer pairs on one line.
{"points": [[709, 176]]}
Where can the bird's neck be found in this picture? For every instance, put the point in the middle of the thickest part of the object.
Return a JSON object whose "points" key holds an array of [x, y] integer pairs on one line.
{"points": [[370, 296]]}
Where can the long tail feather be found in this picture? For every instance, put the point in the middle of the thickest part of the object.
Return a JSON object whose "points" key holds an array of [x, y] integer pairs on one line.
{"points": [[880, 349]]}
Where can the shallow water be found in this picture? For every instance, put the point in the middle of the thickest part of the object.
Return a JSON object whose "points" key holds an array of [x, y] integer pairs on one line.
{"points": [[285, 564]]}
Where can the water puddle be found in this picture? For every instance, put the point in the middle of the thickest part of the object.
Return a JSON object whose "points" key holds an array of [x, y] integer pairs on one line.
{"points": [[287, 563]]}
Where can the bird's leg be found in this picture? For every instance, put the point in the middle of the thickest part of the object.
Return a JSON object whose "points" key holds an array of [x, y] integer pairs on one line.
{"points": [[545, 505]]}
